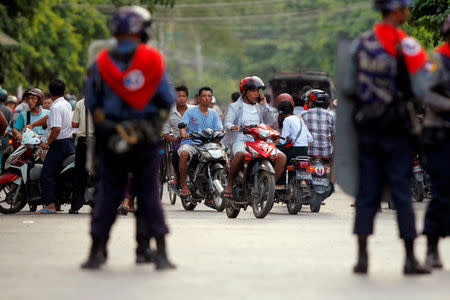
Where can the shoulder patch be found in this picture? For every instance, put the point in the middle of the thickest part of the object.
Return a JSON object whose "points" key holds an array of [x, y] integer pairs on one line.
{"points": [[410, 46]]}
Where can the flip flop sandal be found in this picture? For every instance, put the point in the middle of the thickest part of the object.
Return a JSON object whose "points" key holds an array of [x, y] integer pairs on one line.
{"points": [[174, 185], [185, 192], [228, 196], [45, 212]]}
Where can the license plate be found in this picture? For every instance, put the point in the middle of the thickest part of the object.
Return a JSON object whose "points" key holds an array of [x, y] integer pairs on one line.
{"points": [[303, 175], [320, 181]]}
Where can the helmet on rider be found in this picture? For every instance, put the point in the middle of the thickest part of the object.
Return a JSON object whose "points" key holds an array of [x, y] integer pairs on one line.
{"points": [[285, 96], [317, 98], [3, 95], [132, 20], [391, 5], [36, 92], [285, 107], [251, 83]]}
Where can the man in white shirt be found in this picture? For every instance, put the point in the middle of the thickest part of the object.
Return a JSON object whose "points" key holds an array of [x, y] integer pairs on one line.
{"points": [[60, 143], [80, 173]]}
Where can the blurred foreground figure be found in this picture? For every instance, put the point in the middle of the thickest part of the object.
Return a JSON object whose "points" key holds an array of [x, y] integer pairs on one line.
{"points": [[129, 95], [437, 147], [387, 74]]}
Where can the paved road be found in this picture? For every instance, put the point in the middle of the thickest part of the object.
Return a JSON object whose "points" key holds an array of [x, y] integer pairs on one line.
{"points": [[308, 256]]}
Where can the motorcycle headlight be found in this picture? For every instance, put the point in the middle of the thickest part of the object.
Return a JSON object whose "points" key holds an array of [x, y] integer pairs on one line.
{"points": [[216, 153]]}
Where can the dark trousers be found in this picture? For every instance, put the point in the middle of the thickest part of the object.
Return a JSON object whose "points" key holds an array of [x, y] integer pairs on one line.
{"points": [[290, 154], [57, 152], [437, 218], [176, 158], [113, 179], [384, 160], [80, 174]]}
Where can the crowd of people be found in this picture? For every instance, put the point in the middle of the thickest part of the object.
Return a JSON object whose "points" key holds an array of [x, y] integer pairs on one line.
{"points": [[131, 103]]}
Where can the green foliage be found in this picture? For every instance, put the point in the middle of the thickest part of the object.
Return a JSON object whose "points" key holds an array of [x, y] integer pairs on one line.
{"points": [[427, 17], [53, 42], [54, 36]]}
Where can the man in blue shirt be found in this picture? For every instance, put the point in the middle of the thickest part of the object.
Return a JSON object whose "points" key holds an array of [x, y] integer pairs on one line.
{"points": [[128, 93], [34, 98], [197, 119]]}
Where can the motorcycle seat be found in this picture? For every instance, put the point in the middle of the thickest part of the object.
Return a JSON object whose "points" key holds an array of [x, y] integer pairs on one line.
{"points": [[68, 160], [320, 158]]}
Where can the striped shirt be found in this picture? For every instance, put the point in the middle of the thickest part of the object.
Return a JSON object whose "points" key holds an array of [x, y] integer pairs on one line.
{"points": [[321, 125]]}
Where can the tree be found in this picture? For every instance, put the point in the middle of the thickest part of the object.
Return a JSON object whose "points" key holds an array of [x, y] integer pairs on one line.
{"points": [[54, 36], [427, 17]]}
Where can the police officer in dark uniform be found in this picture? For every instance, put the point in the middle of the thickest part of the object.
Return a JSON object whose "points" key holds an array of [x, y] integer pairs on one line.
{"points": [[128, 93], [437, 148], [383, 59]]}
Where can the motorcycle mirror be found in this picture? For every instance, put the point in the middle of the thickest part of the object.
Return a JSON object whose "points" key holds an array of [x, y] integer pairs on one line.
{"points": [[182, 125]]}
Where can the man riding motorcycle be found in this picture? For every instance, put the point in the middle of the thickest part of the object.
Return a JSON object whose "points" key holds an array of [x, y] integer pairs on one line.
{"points": [[250, 108], [34, 98], [197, 119]]}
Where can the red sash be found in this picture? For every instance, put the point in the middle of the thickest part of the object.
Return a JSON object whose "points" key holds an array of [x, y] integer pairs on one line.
{"points": [[389, 37], [444, 50], [136, 85]]}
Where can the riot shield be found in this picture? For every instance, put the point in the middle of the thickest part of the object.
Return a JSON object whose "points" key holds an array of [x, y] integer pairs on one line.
{"points": [[346, 151]]}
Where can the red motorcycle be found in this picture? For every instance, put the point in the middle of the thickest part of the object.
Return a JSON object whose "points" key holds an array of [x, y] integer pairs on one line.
{"points": [[255, 183]]}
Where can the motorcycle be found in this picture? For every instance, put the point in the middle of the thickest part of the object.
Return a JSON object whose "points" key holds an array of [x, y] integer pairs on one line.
{"points": [[321, 186], [421, 181], [297, 191], [206, 171], [255, 183], [20, 184]]}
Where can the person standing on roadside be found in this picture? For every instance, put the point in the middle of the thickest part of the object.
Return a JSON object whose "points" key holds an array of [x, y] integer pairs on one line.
{"points": [[59, 142], [437, 148], [384, 60], [85, 131], [129, 95]]}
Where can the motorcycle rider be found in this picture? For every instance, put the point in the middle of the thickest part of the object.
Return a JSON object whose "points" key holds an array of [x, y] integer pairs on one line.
{"points": [[250, 108], [321, 124], [197, 119], [129, 95], [376, 74], [295, 137], [171, 132], [437, 147], [34, 98]]}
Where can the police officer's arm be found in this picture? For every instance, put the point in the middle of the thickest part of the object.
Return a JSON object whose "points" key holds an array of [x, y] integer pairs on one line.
{"points": [[436, 75]]}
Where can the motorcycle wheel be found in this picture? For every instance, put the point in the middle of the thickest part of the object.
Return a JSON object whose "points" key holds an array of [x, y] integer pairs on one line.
{"points": [[161, 191], [316, 202], [219, 202], [231, 212], [172, 197], [266, 184], [187, 205], [294, 204], [7, 191], [418, 191]]}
